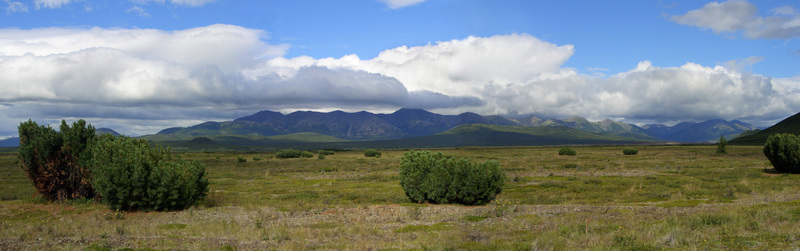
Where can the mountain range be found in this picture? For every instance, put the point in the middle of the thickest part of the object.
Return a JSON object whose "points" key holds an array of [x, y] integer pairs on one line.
{"points": [[420, 128], [406, 123], [403, 123]]}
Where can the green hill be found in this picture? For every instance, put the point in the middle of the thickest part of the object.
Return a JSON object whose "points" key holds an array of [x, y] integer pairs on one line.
{"points": [[788, 125]]}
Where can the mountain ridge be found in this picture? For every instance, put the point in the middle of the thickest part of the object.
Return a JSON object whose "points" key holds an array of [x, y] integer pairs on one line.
{"points": [[407, 122]]}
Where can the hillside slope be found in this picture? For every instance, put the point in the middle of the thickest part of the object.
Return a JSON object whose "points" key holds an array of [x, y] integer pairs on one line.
{"points": [[788, 125]]}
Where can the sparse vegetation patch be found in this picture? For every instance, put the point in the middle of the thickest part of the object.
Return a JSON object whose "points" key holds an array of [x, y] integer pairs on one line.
{"points": [[291, 154]]}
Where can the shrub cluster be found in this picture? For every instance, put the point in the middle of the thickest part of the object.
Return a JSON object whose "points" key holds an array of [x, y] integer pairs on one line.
{"points": [[326, 152], [567, 151], [436, 178], [130, 174], [291, 154], [56, 161], [783, 151], [372, 153], [630, 151]]}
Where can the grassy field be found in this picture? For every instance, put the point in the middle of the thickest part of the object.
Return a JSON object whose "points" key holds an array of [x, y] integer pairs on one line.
{"points": [[666, 197]]}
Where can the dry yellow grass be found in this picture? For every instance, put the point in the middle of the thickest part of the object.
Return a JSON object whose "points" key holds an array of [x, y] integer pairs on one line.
{"points": [[666, 197]]}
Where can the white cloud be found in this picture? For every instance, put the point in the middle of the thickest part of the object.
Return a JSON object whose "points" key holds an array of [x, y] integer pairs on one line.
{"points": [[457, 67], [694, 92], [139, 11], [741, 16], [148, 75], [142, 79], [398, 4], [226, 46], [16, 7], [520, 74], [50, 4]]}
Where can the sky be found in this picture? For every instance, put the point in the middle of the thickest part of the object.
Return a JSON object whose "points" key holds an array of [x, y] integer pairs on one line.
{"points": [[140, 66]]}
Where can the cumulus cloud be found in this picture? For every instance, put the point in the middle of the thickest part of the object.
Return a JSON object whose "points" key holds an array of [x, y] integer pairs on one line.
{"points": [[695, 92], [227, 46], [741, 16], [457, 67], [148, 75], [398, 4], [518, 74], [143, 79]]}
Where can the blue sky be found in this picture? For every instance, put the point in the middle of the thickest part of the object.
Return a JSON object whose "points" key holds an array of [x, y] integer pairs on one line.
{"points": [[139, 66]]}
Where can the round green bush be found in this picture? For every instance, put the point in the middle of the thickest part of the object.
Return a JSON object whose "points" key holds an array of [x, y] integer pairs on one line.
{"points": [[435, 178], [630, 151], [129, 174], [783, 151], [291, 154], [372, 153], [567, 151]]}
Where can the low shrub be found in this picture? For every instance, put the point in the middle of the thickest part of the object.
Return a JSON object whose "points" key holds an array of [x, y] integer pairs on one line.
{"points": [[241, 159], [56, 161], [256, 158], [783, 151], [721, 144], [436, 178], [567, 151], [129, 174], [291, 154], [372, 153], [630, 151], [320, 156], [325, 152]]}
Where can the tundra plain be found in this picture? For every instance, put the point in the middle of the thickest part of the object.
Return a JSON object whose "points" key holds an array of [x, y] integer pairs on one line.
{"points": [[666, 197]]}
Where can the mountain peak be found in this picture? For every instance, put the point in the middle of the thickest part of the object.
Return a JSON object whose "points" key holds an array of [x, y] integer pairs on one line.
{"points": [[261, 117]]}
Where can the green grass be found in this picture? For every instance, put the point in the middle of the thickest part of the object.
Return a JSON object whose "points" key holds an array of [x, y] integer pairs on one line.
{"points": [[666, 197]]}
